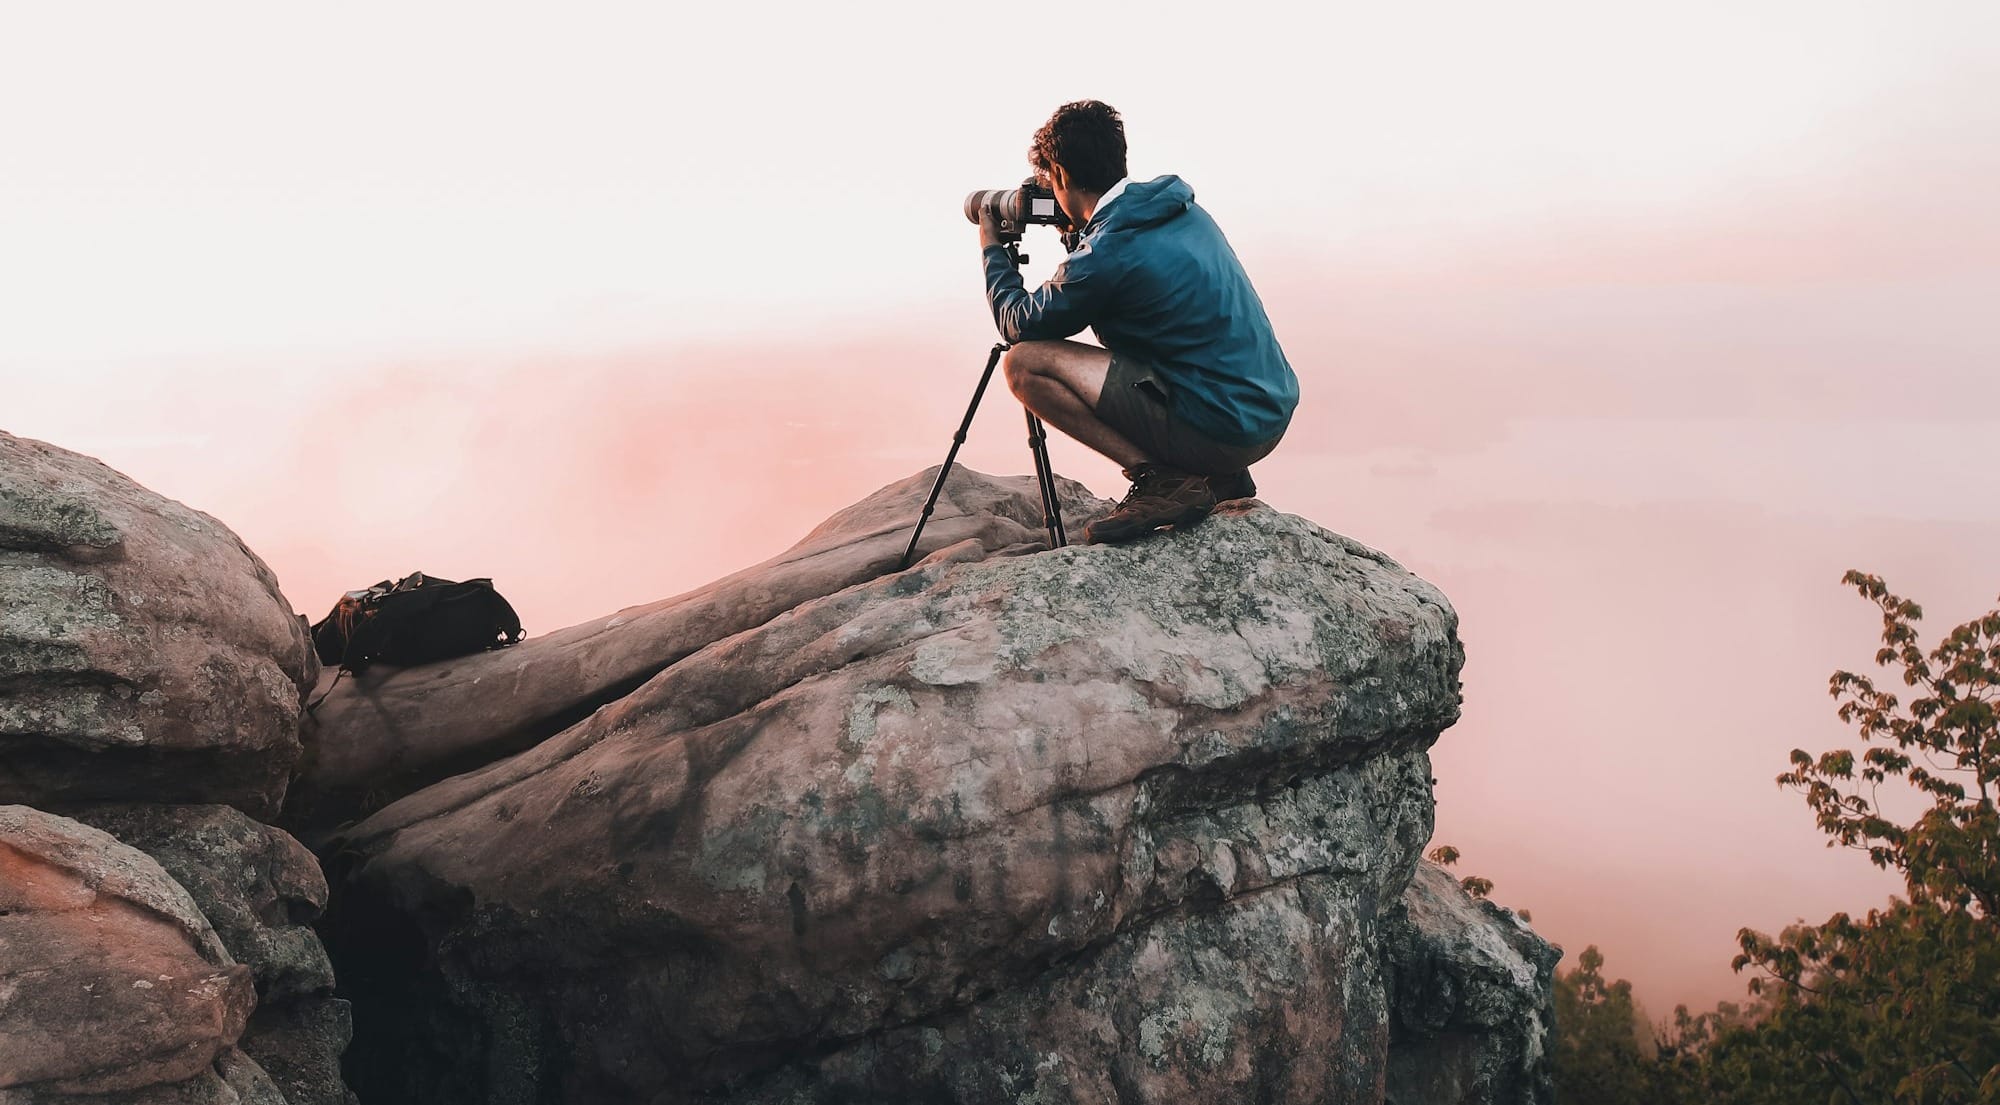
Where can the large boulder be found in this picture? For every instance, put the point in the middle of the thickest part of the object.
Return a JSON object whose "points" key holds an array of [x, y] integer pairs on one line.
{"points": [[145, 653], [1472, 999], [388, 732], [1106, 822], [113, 987], [260, 890]]}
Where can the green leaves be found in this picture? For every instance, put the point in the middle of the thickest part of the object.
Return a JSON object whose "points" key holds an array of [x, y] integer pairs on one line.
{"points": [[1901, 1005], [1599, 1053], [1944, 746]]}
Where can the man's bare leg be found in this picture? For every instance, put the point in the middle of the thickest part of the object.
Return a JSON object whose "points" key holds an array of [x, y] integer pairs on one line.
{"points": [[1062, 381]]}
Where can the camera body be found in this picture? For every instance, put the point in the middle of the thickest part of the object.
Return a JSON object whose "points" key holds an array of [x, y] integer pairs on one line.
{"points": [[1016, 209]]}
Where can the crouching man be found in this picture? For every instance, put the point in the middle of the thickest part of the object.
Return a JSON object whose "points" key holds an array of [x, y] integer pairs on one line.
{"points": [[1189, 388]]}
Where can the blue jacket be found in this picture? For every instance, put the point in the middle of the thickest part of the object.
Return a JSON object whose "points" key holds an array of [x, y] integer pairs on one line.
{"points": [[1155, 279]]}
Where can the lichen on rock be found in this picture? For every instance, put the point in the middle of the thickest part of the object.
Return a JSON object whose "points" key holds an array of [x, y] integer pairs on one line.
{"points": [[145, 653]]}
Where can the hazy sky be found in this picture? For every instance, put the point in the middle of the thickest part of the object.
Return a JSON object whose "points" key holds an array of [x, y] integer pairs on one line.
{"points": [[1631, 330]]}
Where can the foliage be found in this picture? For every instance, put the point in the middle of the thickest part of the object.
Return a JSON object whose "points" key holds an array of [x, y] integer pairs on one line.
{"points": [[1598, 1054], [1444, 855], [1901, 1005], [1943, 745]]}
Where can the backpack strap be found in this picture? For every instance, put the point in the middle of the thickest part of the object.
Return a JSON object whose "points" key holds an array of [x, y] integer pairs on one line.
{"points": [[337, 673]]}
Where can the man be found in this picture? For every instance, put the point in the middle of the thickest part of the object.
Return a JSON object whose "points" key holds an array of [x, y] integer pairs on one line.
{"points": [[1189, 388]]}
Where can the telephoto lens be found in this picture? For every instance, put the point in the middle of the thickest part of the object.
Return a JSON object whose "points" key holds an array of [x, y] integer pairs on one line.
{"points": [[1004, 203], [1015, 209]]}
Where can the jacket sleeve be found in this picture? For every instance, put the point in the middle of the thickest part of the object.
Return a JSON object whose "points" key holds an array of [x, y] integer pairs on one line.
{"points": [[1068, 302]]}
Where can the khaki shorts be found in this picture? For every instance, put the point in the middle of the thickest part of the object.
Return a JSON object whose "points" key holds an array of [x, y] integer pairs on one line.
{"points": [[1136, 402]]}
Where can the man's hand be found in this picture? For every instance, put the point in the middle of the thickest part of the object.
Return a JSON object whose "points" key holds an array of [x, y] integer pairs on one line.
{"points": [[989, 228]]}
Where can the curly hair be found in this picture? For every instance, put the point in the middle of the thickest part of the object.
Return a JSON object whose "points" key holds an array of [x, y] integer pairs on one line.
{"points": [[1087, 138]]}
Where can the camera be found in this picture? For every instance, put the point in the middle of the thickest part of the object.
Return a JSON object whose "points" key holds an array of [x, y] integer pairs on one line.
{"points": [[1016, 209]]}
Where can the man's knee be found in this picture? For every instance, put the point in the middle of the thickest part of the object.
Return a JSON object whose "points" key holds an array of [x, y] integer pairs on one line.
{"points": [[1015, 370], [1022, 363]]}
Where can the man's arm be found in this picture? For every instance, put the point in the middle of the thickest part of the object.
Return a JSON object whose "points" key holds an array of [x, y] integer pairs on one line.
{"points": [[1064, 305]]}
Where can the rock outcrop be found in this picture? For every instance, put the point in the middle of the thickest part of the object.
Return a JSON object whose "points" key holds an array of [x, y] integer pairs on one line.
{"points": [[111, 980], [146, 655], [1132, 823], [148, 662], [388, 732], [1470, 985], [260, 890], [1103, 823]]}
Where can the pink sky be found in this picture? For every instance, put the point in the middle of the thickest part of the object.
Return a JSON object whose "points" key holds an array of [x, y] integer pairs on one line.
{"points": [[1632, 338]]}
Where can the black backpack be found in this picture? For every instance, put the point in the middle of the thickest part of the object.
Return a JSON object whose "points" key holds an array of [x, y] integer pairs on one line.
{"points": [[418, 619]]}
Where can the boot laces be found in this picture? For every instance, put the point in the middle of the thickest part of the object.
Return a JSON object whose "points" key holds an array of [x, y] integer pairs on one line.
{"points": [[1144, 481]]}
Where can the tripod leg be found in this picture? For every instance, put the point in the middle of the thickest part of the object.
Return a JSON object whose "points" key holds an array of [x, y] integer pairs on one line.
{"points": [[1038, 448], [1055, 501], [957, 440]]}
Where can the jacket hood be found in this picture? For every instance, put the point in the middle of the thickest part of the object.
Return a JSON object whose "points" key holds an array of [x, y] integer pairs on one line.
{"points": [[1146, 203]]}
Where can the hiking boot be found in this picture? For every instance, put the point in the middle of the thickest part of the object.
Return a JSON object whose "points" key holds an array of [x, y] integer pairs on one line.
{"points": [[1235, 485], [1160, 496]]}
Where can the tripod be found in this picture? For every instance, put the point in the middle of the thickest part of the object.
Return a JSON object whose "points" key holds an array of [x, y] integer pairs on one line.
{"points": [[1037, 447]]}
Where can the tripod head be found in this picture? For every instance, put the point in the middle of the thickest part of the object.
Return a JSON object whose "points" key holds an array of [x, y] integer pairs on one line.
{"points": [[1071, 238]]}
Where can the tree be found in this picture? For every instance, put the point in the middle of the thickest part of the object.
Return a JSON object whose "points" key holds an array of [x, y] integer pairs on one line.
{"points": [[1950, 856], [1598, 1057], [1903, 1004], [1900, 1006]]}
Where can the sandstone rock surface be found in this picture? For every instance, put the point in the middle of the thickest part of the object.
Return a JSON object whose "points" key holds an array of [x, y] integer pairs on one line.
{"points": [[145, 653], [1135, 823], [1470, 992], [111, 981], [389, 732], [261, 890], [1101, 823]]}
